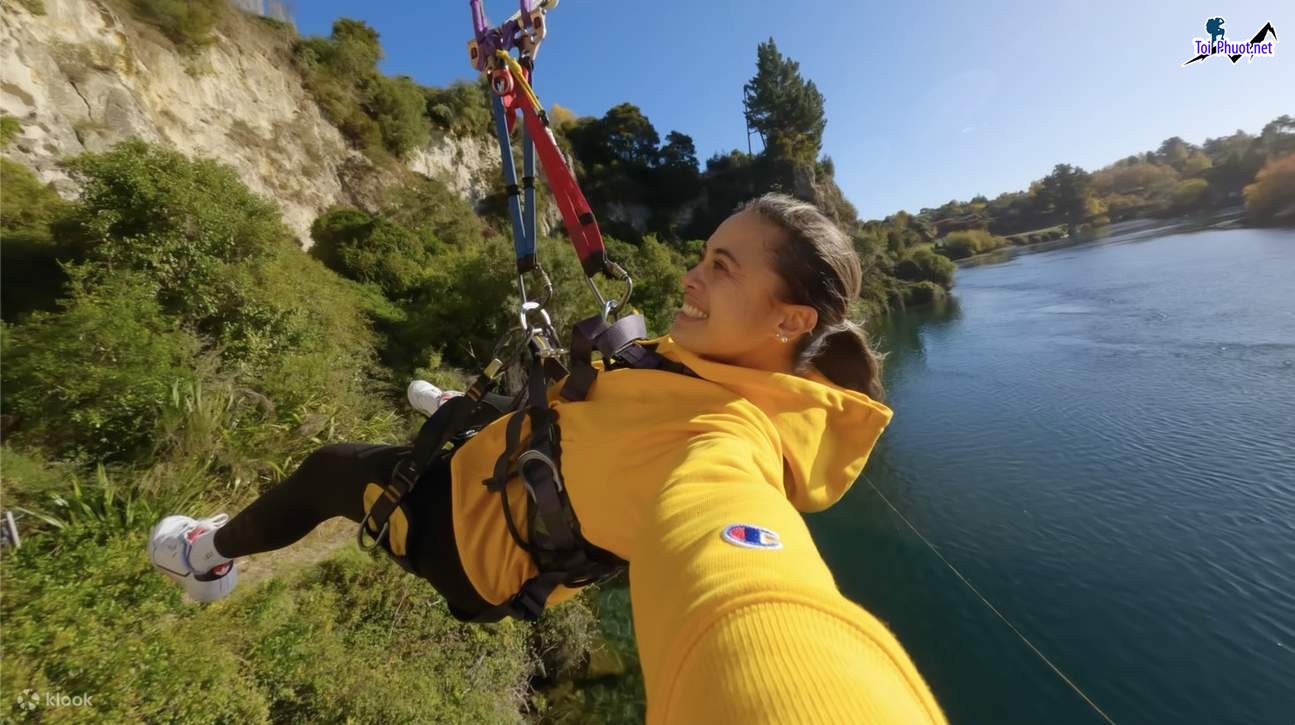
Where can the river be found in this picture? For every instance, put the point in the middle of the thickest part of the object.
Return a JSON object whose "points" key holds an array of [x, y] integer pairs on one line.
{"points": [[1101, 438]]}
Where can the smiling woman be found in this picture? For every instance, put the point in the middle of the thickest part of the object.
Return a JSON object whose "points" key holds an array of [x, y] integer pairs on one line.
{"points": [[772, 292], [735, 613]]}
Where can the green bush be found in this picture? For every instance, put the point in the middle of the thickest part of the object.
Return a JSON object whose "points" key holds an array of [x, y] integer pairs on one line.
{"points": [[1271, 198], [922, 293], [462, 108], [188, 23], [968, 242], [93, 379], [466, 305], [398, 106], [282, 329], [191, 225], [10, 127], [1188, 196], [923, 264], [30, 276], [377, 113], [371, 249], [440, 216]]}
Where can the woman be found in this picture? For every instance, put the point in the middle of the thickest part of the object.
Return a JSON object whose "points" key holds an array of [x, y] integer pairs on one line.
{"points": [[696, 481]]}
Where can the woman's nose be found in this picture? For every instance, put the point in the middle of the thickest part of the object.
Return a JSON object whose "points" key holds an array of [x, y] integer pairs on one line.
{"points": [[689, 279]]}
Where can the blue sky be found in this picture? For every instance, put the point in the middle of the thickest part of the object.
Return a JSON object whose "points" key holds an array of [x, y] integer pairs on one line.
{"points": [[925, 102]]}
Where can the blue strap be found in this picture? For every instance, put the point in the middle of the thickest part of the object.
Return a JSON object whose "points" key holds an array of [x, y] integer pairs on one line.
{"points": [[523, 239], [528, 184]]}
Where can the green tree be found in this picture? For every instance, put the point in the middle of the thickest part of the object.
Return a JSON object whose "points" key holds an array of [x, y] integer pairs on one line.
{"points": [[1278, 137], [1067, 194], [783, 107], [1189, 195], [1271, 198]]}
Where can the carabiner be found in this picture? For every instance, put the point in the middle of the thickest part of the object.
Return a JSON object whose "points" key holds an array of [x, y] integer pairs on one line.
{"points": [[377, 540]]}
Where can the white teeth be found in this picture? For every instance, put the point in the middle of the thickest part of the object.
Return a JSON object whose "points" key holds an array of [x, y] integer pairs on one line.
{"points": [[693, 312]]}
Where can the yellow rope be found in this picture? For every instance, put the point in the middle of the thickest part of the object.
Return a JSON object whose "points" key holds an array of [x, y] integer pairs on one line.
{"points": [[992, 608], [519, 77]]}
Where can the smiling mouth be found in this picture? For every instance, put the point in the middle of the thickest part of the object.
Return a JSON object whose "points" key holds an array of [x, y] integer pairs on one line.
{"points": [[692, 312]]}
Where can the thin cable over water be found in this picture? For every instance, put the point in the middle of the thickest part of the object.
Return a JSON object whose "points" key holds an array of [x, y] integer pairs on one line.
{"points": [[991, 607]]}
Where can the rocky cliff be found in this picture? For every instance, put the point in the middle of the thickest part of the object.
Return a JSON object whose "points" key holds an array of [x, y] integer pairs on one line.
{"points": [[85, 75]]}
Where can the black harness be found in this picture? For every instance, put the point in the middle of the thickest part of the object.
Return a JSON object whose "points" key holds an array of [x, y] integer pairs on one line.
{"points": [[555, 543]]}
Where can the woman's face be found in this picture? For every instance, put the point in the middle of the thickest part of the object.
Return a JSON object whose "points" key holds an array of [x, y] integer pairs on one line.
{"points": [[733, 310]]}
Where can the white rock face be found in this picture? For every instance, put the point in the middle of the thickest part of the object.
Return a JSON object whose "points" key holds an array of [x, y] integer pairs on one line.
{"points": [[83, 77], [468, 166]]}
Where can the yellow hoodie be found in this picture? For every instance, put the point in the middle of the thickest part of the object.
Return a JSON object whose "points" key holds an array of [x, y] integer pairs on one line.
{"points": [[698, 483]]}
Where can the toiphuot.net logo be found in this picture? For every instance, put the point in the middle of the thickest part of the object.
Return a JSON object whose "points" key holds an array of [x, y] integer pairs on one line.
{"points": [[1218, 43]]}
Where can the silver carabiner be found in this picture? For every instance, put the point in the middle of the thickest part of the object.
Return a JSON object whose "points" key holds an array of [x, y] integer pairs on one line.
{"points": [[377, 540], [531, 454]]}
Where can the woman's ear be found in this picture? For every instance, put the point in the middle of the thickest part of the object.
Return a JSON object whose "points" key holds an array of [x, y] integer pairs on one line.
{"points": [[797, 320]]}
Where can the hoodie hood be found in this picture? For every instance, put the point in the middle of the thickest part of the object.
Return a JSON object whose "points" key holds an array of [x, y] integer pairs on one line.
{"points": [[827, 431]]}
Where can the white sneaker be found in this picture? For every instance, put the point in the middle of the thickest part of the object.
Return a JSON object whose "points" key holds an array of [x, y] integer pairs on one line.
{"points": [[426, 398], [205, 575]]}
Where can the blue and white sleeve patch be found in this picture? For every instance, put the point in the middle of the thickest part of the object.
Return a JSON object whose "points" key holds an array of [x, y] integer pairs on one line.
{"points": [[751, 537]]}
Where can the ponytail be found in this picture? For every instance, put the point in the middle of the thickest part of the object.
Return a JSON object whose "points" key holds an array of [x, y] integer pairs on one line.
{"points": [[842, 353]]}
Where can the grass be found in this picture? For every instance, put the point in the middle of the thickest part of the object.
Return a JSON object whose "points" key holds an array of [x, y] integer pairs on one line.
{"points": [[317, 632], [330, 642]]}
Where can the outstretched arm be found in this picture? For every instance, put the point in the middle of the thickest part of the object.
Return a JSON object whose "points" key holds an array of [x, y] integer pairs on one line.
{"points": [[747, 623]]}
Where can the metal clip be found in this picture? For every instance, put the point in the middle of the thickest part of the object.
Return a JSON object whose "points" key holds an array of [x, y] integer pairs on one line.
{"points": [[533, 455], [359, 537], [607, 307], [541, 334]]}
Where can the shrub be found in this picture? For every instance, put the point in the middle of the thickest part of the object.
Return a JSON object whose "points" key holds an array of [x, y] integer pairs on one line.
{"points": [[1188, 196], [462, 108], [10, 127], [922, 293], [190, 225], [377, 113], [221, 263], [371, 249], [30, 276], [188, 23], [397, 105], [92, 380], [1271, 198], [923, 264], [968, 242]]}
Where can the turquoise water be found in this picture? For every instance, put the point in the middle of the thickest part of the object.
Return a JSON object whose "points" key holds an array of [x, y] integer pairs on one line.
{"points": [[1102, 439]]}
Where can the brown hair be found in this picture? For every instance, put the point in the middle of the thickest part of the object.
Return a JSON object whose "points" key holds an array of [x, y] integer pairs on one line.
{"points": [[819, 268]]}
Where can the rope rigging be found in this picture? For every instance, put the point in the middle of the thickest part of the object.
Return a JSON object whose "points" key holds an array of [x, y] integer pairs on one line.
{"points": [[552, 537]]}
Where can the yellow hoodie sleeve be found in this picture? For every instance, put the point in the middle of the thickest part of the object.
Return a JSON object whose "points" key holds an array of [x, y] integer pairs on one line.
{"points": [[751, 625]]}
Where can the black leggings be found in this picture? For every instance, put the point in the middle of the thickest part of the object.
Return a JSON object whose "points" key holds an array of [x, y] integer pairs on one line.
{"points": [[331, 482]]}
